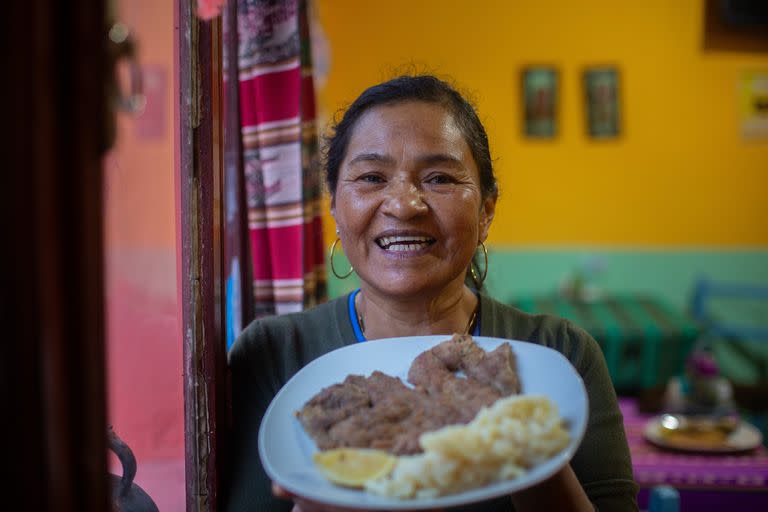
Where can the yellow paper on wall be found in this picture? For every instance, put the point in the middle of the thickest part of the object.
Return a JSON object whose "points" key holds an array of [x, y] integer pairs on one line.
{"points": [[753, 104]]}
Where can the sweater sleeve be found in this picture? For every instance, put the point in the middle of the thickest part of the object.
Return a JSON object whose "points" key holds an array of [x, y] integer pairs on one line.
{"points": [[602, 463], [264, 357], [255, 369]]}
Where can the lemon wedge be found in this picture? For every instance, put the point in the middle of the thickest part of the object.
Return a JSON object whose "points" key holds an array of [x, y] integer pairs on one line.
{"points": [[352, 467]]}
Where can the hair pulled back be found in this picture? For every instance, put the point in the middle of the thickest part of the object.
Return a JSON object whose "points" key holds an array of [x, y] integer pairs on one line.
{"points": [[426, 88]]}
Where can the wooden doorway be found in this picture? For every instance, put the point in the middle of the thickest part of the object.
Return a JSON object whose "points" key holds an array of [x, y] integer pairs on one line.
{"points": [[56, 71]]}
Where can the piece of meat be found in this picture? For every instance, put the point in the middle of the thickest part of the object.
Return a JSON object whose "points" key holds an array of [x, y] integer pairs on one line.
{"points": [[496, 369], [430, 373], [330, 406], [381, 412], [458, 352]]}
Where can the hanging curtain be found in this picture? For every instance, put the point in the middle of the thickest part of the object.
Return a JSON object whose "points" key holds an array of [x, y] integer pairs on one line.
{"points": [[280, 164]]}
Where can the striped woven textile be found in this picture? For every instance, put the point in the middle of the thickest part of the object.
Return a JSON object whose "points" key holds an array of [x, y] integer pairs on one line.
{"points": [[280, 156]]}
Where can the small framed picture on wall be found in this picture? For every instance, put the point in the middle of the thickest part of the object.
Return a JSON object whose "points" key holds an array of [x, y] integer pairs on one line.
{"points": [[601, 87], [540, 101]]}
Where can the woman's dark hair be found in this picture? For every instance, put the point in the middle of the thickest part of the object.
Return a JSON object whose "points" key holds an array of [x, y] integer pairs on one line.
{"points": [[426, 88]]}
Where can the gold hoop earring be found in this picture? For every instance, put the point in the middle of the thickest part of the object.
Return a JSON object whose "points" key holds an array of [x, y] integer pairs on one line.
{"points": [[333, 250], [480, 281]]}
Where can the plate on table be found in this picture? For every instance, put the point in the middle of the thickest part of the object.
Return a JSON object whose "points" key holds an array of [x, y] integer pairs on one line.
{"points": [[286, 449], [742, 438]]}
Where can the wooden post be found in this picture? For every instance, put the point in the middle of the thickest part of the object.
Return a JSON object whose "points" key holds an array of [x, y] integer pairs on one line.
{"points": [[201, 248], [52, 363]]}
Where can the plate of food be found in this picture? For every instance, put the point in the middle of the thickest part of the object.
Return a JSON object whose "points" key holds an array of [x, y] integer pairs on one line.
{"points": [[424, 422], [702, 433]]}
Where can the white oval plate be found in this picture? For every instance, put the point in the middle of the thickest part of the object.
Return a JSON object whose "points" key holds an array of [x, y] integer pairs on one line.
{"points": [[744, 438], [286, 449]]}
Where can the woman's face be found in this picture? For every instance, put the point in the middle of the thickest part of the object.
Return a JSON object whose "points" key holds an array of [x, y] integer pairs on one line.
{"points": [[408, 203]]}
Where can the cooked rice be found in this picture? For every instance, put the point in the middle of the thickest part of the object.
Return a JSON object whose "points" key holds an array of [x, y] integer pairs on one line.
{"points": [[501, 443]]}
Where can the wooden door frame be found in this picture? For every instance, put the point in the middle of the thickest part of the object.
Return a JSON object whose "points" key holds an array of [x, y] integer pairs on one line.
{"points": [[52, 364], [200, 252]]}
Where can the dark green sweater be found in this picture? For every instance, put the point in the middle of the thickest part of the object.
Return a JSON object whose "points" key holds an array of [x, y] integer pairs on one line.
{"points": [[271, 350]]}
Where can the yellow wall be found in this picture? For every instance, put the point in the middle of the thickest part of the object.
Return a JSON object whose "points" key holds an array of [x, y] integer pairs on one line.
{"points": [[680, 175]]}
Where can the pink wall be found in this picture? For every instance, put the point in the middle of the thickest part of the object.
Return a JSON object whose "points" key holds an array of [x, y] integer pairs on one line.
{"points": [[144, 349]]}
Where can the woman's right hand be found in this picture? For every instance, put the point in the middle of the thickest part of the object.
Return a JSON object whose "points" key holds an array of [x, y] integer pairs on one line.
{"points": [[305, 505]]}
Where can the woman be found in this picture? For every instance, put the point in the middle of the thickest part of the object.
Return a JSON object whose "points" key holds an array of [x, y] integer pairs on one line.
{"points": [[413, 194]]}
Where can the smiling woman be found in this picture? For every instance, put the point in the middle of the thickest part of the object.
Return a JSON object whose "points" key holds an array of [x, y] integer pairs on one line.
{"points": [[413, 194], [410, 214]]}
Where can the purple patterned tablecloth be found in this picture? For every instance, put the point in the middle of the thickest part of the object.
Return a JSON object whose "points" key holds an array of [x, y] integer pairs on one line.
{"points": [[705, 482]]}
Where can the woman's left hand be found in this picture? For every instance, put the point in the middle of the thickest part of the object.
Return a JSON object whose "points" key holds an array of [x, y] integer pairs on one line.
{"points": [[305, 505]]}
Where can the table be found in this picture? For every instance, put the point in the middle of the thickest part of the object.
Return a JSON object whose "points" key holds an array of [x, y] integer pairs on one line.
{"points": [[705, 482], [645, 341]]}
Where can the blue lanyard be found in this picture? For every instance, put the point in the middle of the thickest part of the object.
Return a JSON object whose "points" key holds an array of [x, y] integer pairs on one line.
{"points": [[359, 336]]}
